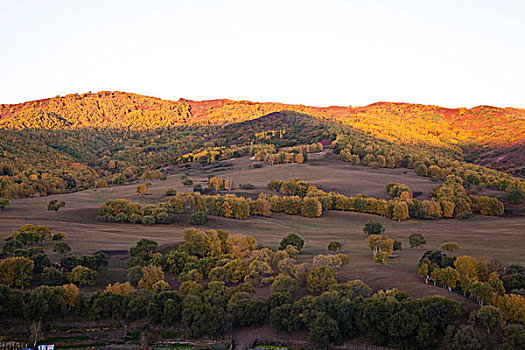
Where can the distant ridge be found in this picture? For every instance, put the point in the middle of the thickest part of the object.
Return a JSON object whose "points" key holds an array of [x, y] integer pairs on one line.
{"points": [[482, 128]]}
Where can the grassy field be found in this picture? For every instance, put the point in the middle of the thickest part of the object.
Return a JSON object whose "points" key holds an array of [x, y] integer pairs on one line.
{"points": [[500, 238]]}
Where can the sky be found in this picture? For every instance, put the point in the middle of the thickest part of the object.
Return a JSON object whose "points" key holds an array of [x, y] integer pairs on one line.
{"points": [[455, 53]]}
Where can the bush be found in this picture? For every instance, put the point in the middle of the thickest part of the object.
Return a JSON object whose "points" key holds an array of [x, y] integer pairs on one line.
{"points": [[170, 192], [466, 215], [247, 186], [148, 220], [334, 246], [292, 239], [55, 205], [257, 165], [516, 196], [199, 218], [187, 182], [198, 188]]}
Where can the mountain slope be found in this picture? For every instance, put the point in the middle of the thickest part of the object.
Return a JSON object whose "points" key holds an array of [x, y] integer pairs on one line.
{"points": [[482, 131]]}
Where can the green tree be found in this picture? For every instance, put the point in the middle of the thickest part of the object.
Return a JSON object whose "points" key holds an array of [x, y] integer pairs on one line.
{"points": [[134, 275], [516, 196], [55, 205], [334, 246], [198, 218], [293, 240], [324, 330], [464, 337], [285, 284], [373, 228], [62, 248], [489, 317], [416, 240]]}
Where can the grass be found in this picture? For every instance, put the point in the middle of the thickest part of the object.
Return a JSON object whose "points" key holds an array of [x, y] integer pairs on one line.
{"points": [[499, 238]]}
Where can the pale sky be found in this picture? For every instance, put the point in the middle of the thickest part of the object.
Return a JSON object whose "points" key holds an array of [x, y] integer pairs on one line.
{"points": [[325, 52]]}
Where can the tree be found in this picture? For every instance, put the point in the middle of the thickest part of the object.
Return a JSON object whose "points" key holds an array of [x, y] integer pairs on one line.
{"points": [[62, 248], [516, 196], [41, 230], [55, 205], [373, 228], [52, 277], [448, 277], [142, 252], [450, 247], [464, 337], [150, 275], [514, 337], [284, 284], [467, 268], [321, 278], [82, 275], [381, 247], [400, 211], [4, 203], [489, 317], [142, 189], [16, 272], [324, 330], [311, 207], [199, 218], [292, 239], [334, 246], [71, 294], [416, 240]]}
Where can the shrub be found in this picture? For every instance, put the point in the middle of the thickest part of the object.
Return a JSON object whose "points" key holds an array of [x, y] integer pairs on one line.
{"points": [[199, 218]]}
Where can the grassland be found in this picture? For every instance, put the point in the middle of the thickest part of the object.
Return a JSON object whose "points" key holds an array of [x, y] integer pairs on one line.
{"points": [[500, 238]]}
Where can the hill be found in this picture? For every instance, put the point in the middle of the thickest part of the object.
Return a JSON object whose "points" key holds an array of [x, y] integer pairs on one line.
{"points": [[487, 133]]}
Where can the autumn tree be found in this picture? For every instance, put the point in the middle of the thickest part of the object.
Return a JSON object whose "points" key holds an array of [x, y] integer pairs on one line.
{"points": [[82, 275], [151, 274], [142, 189], [450, 247], [4, 203], [71, 294], [311, 207], [321, 278], [17, 271]]}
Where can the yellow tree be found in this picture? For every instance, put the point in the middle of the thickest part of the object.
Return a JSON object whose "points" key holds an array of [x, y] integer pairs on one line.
{"points": [[71, 293], [150, 275], [142, 189], [16, 272], [467, 268]]}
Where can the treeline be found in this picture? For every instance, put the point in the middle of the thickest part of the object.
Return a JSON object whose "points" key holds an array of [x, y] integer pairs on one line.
{"points": [[24, 260], [299, 198], [449, 201], [39, 162], [425, 161], [217, 274], [485, 280]]}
